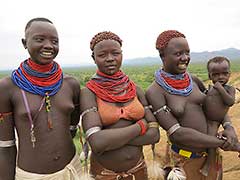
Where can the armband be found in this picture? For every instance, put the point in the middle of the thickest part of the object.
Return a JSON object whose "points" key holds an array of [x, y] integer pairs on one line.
{"points": [[92, 109], [163, 108], [73, 127], [227, 123], [92, 131], [172, 129], [153, 125], [4, 114], [9, 143], [148, 107]]}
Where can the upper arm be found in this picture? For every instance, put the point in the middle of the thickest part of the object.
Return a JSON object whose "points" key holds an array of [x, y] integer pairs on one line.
{"points": [[157, 99], [75, 88], [7, 120], [232, 92], [148, 113], [88, 101]]}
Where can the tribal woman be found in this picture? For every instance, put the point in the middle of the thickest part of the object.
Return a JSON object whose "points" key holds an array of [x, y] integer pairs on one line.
{"points": [[43, 105], [177, 98], [117, 119]]}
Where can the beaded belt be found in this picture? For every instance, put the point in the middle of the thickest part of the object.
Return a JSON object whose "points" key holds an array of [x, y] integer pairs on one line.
{"points": [[186, 153]]}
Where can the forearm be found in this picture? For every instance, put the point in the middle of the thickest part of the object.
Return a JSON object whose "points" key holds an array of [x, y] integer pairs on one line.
{"points": [[226, 97], [7, 163], [192, 138], [110, 139], [152, 136]]}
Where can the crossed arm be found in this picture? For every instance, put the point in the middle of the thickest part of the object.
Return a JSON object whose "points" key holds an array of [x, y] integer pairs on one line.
{"points": [[106, 139]]}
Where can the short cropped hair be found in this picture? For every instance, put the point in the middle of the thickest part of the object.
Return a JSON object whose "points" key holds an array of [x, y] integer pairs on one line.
{"points": [[164, 38], [105, 35], [42, 19], [217, 59]]}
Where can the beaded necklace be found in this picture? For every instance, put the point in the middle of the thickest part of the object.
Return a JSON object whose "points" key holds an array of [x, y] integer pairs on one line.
{"points": [[115, 88], [43, 80], [180, 84]]}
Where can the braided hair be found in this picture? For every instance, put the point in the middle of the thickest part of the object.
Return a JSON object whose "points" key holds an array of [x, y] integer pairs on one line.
{"points": [[105, 35], [164, 38]]}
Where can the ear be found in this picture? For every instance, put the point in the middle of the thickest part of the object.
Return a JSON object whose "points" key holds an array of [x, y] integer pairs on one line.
{"points": [[24, 42], [93, 57], [161, 54], [209, 77]]}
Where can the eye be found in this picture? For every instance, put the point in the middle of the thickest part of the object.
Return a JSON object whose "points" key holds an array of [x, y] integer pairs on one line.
{"points": [[178, 54], [101, 55], [55, 41], [116, 53], [39, 39]]}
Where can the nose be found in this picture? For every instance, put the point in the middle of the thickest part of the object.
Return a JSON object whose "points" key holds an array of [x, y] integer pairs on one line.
{"points": [[110, 57], [185, 57], [48, 44]]}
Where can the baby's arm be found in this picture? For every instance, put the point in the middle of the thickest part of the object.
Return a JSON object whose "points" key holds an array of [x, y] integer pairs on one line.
{"points": [[227, 94]]}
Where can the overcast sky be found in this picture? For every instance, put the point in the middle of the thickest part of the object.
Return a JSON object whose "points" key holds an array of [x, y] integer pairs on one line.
{"points": [[208, 25]]}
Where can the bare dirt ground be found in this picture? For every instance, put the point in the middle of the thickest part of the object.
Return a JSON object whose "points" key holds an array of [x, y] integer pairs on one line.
{"points": [[231, 162]]}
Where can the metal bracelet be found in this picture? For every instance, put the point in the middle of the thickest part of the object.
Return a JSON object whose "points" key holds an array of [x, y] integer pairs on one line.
{"points": [[8, 143], [92, 131], [163, 108], [173, 129]]}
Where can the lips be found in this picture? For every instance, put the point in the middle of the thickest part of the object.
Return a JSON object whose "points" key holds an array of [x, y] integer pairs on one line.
{"points": [[47, 54], [182, 66]]}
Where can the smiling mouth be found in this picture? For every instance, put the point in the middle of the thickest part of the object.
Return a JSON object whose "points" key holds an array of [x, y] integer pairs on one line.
{"points": [[47, 54], [182, 66]]}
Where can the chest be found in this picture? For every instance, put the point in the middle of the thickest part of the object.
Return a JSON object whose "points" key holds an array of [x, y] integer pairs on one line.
{"points": [[60, 104], [180, 104]]}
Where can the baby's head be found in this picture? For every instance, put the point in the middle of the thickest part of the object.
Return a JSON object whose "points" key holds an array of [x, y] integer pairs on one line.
{"points": [[219, 69]]}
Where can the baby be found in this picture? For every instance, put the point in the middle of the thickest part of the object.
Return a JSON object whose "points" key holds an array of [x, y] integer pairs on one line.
{"points": [[220, 97]]}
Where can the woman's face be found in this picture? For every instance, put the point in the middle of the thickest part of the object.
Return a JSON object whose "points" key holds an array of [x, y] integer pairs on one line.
{"points": [[41, 42], [176, 56], [108, 56]]}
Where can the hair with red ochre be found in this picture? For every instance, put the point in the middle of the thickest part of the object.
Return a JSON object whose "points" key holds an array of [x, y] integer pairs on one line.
{"points": [[105, 35], [165, 37]]}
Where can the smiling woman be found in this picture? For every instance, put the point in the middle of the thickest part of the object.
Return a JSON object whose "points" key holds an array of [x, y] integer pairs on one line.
{"points": [[32, 103], [177, 98], [116, 115]]}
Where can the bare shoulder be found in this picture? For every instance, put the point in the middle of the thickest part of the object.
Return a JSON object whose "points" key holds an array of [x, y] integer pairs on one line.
{"points": [[153, 89], [6, 84], [155, 95], [87, 98], [141, 95], [71, 80]]}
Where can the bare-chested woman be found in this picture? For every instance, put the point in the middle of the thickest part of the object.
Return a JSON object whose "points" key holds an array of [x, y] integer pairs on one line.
{"points": [[42, 105], [116, 116], [177, 98]]}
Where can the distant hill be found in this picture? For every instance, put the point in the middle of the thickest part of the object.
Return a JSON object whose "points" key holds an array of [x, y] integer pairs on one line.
{"points": [[232, 53]]}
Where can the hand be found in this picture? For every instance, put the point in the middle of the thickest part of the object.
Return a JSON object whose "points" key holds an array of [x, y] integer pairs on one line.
{"points": [[217, 85], [231, 138]]}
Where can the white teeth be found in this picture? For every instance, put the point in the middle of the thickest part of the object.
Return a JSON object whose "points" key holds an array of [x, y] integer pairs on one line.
{"points": [[182, 66], [47, 53]]}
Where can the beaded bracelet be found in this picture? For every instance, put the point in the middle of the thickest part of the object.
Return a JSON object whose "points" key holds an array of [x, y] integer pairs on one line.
{"points": [[142, 126]]}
